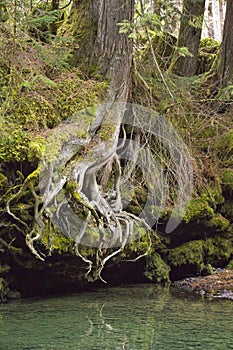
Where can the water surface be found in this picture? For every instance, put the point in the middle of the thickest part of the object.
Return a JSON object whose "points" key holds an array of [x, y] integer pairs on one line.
{"points": [[142, 317]]}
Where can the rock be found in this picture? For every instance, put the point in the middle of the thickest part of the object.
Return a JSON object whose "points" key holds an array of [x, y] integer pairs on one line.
{"points": [[218, 285]]}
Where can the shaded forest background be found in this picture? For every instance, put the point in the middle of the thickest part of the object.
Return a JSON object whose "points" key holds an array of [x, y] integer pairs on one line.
{"points": [[60, 57]]}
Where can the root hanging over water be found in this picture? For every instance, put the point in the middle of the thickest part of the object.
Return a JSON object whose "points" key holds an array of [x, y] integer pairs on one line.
{"points": [[92, 170], [82, 190]]}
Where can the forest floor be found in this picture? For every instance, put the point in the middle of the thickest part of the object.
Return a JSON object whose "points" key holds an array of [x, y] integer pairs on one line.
{"points": [[217, 285]]}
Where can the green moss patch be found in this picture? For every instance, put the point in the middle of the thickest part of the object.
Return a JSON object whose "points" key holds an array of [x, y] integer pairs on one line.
{"points": [[157, 270]]}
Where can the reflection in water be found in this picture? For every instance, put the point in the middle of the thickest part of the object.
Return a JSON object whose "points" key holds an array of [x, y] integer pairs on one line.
{"points": [[141, 317]]}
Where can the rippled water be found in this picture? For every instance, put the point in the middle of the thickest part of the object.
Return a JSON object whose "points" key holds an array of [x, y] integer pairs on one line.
{"points": [[140, 317]]}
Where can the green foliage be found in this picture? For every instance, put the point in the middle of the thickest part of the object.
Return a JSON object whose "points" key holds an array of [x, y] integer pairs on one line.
{"points": [[183, 52], [196, 22], [3, 182], [42, 19], [212, 193], [4, 269], [226, 94], [39, 89], [57, 56]]}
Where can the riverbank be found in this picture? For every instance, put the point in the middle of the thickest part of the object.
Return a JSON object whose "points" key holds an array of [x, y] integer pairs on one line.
{"points": [[217, 285]]}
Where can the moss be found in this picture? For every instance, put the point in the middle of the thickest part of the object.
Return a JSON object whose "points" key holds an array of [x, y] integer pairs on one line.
{"points": [[36, 149], [106, 131], [207, 54], [13, 143], [217, 249], [55, 241], [213, 193], [218, 222], [227, 180], [198, 209], [29, 111], [157, 270], [3, 182], [207, 270], [230, 265], [203, 208], [81, 30], [201, 252], [227, 209], [187, 253], [225, 149]]}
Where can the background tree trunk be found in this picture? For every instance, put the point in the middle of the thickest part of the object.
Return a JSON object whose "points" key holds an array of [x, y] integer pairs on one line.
{"points": [[189, 36], [225, 68]]}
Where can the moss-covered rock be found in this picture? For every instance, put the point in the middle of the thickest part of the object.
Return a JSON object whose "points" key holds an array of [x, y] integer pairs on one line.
{"points": [[187, 253], [218, 223], [198, 209], [227, 209], [227, 181], [201, 252], [218, 249], [207, 54], [156, 269]]}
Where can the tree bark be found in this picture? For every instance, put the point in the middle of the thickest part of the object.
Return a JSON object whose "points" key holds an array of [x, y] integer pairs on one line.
{"points": [[102, 50], [225, 68], [189, 36], [113, 51]]}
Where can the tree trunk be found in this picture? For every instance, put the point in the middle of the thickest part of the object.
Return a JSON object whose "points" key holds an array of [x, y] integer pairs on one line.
{"points": [[101, 44], [225, 68], [102, 51], [113, 51], [189, 36]]}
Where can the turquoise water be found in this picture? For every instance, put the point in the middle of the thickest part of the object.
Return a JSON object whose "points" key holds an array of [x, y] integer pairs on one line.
{"points": [[139, 317]]}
